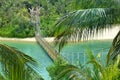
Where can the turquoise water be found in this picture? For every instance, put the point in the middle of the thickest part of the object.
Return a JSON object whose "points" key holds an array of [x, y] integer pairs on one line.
{"points": [[76, 52], [73, 52], [35, 51]]}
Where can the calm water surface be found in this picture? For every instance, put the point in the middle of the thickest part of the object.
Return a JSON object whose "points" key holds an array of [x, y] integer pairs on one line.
{"points": [[35, 51], [73, 52]]}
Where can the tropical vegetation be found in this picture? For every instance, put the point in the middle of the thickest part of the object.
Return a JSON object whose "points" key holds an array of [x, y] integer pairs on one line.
{"points": [[92, 70], [16, 65], [81, 23], [80, 19], [15, 16]]}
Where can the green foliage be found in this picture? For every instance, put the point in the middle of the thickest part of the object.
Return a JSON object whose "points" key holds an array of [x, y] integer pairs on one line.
{"points": [[83, 4], [16, 65], [95, 71], [81, 23], [112, 72], [114, 50], [14, 14], [65, 71], [86, 19], [99, 71], [1, 77], [50, 14]]}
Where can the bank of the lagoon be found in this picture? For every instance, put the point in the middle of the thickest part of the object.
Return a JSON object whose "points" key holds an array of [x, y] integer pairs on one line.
{"points": [[48, 39], [73, 52]]}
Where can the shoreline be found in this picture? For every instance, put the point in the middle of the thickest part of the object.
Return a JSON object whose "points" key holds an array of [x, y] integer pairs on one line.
{"points": [[48, 39], [107, 34], [32, 39]]}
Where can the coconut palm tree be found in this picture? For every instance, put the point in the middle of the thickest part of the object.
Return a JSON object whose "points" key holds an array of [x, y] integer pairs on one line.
{"points": [[16, 65], [88, 18]]}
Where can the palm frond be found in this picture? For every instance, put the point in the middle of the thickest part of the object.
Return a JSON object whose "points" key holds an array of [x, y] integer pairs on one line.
{"points": [[67, 72], [93, 60], [61, 70], [2, 77], [15, 63], [115, 48], [111, 72], [82, 23], [83, 4], [96, 68]]}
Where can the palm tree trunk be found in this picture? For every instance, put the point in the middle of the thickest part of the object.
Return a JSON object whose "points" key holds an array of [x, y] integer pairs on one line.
{"points": [[46, 46]]}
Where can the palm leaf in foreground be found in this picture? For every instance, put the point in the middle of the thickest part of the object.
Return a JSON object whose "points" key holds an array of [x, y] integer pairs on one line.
{"points": [[61, 70], [98, 70], [67, 72], [83, 23], [114, 50], [15, 64]]}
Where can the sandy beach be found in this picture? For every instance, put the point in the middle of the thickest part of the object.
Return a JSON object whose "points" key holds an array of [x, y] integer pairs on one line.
{"points": [[49, 39], [105, 34]]}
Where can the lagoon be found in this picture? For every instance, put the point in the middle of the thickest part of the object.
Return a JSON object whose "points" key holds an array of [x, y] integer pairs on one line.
{"points": [[73, 52], [76, 52], [36, 52]]}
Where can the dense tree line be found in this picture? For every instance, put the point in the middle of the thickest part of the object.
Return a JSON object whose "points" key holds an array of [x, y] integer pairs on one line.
{"points": [[79, 16], [14, 19], [15, 16]]}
